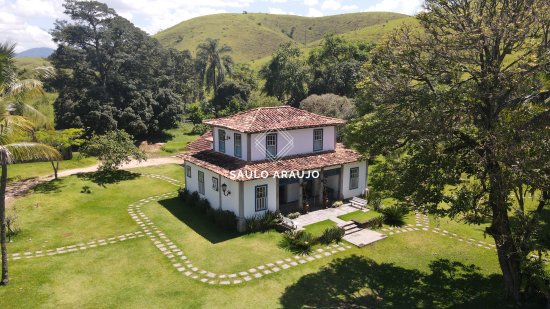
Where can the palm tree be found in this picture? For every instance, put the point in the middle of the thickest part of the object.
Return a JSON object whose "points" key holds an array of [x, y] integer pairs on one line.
{"points": [[214, 63], [12, 128]]}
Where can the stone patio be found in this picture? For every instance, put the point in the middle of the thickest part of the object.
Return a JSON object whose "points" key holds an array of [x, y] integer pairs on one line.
{"points": [[324, 214], [364, 237]]}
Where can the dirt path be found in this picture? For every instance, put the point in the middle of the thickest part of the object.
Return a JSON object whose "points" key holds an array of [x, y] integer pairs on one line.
{"points": [[20, 188]]}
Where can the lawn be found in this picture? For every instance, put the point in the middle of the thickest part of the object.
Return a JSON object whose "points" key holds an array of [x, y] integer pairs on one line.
{"points": [[58, 214], [414, 269], [22, 171], [360, 216], [317, 229], [177, 140]]}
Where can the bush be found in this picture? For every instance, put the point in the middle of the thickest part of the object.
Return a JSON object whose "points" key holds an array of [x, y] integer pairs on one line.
{"points": [[394, 215], [225, 219], [332, 234], [293, 215], [337, 204], [263, 222], [376, 203], [184, 194], [203, 205], [375, 223], [194, 198], [297, 241], [199, 129]]}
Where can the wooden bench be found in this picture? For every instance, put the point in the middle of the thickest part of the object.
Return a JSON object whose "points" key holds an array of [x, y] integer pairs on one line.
{"points": [[358, 203]]}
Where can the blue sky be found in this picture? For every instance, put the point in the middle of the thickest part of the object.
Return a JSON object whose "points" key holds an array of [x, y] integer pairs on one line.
{"points": [[27, 22]]}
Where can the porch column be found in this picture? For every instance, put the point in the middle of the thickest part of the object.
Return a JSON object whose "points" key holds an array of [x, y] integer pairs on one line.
{"points": [[321, 186], [241, 224], [367, 180], [341, 183], [300, 194]]}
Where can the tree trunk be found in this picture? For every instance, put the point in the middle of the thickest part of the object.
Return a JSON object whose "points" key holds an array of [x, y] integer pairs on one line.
{"points": [[508, 256], [55, 166], [3, 183]]}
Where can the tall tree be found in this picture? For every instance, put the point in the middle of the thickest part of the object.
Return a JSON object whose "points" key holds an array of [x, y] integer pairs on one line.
{"points": [[466, 95], [113, 75], [214, 63], [286, 75], [336, 66], [11, 129]]}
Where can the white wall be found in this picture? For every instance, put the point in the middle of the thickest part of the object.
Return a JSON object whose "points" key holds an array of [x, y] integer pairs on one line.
{"points": [[230, 143], [250, 196], [362, 179], [192, 184], [293, 192], [302, 142], [231, 202]]}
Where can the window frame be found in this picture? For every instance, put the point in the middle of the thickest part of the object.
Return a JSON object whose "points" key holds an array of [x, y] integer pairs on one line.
{"points": [[353, 181], [315, 131], [221, 140], [201, 182], [215, 184], [239, 144], [188, 171], [275, 139], [263, 200]]}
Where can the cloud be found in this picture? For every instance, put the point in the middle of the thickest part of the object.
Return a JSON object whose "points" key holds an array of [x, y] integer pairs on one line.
{"points": [[332, 5], [280, 11], [311, 2], [409, 7], [314, 13], [15, 30]]}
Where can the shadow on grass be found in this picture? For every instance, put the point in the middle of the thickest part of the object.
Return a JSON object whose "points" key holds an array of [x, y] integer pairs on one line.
{"points": [[358, 282], [197, 221], [52, 186], [103, 178]]}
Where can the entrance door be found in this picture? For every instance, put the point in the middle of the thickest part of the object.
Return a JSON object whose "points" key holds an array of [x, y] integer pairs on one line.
{"points": [[282, 194]]}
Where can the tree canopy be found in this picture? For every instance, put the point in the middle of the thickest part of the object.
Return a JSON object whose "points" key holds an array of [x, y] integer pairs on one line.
{"points": [[113, 75], [464, 103]]}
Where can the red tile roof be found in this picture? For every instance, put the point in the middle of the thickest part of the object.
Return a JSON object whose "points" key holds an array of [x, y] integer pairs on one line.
{"points": [[264, 119], [242, 170], [204, 142]]}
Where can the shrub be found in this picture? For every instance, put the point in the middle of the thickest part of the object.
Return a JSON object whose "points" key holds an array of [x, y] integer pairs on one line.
{"points": [[376, 203], [337, 204], [394, 215], [297, 241], [262, 222], [203, 205], [225, 219], [293, 215], [184, 194], [332, 234], [199, 129], [375, 223], [194, 198]]}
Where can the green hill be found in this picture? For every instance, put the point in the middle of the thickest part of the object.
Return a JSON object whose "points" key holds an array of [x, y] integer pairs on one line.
{"points": [[255, 36]]}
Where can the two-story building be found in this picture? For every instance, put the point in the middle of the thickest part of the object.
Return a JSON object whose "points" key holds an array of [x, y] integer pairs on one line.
{"points": [[273, 158]]}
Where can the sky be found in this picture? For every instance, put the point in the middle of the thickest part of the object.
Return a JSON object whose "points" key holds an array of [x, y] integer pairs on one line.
{"points": [[27, 22]]}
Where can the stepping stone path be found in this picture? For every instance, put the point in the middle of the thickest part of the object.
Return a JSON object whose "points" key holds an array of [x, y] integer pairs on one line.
{"points": [[181, 263]]}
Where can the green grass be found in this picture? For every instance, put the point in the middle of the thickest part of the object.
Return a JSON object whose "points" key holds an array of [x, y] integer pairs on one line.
{"points": [[318, 228], [360, 216], [27, 64], [179, 138], [205, 243], [415, 269], [74, 217], [22, 171], [255, 36]]}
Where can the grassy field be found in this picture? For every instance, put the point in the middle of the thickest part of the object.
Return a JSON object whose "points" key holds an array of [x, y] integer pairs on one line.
{"points": [[415, 269], [179, 138], [317, 229], [22, 171], [360, 216], [255, 36]]}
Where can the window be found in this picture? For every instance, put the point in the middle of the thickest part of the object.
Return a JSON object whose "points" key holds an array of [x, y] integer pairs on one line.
{"points": [[188, 171], [261, 197], [353, 178], [221, 141], [271, 145], [317, 140], [215, 184], [201, 182], [238, 146]]}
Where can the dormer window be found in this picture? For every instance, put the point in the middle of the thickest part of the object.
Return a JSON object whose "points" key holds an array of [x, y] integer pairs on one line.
{"points": [[271, 145], [317, 140], [221, 141]]}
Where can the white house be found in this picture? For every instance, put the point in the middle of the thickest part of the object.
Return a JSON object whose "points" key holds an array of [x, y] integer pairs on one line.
{"points": [[273, 158]]}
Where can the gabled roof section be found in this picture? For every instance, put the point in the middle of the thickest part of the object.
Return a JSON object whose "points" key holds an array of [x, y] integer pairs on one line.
{"points": [[264, 119]]}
